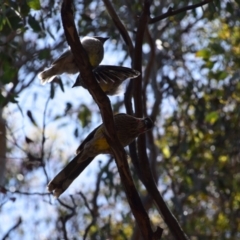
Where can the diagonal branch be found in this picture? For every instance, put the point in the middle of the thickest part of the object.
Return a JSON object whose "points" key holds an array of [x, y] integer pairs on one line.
{"points": [[172, 12], [103, 103], [15, 226], [119, 26]]}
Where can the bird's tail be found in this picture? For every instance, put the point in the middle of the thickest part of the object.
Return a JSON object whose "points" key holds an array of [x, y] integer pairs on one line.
{"points": [[64, 178], [47, 75]]}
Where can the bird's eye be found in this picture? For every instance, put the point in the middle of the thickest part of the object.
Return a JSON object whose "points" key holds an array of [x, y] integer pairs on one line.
{"points": [[148, 123]]}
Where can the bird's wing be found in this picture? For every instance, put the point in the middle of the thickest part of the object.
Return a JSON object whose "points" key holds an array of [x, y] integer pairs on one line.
{"points": [[87, 139], [64, 55], [109, 73]]}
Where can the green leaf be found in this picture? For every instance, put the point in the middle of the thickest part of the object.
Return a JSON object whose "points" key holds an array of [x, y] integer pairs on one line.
{"points": [[84, 115], [222, 75], [217, 48], [229, 7], [2, 99], [52, 91], [25, 9], [44, 54], [34, 4], [219, 75], [212, 117], [9, 71], [61, 84], [204, 53], [209, 64], [67, 108], [34, 24], [76, 134], [212, 7], [166, 151], [30, 116], [13, 99]]}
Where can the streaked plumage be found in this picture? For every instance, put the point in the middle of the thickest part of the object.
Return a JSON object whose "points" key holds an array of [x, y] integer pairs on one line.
{"points": [[109, 77], [127, 128], [66, 63]]}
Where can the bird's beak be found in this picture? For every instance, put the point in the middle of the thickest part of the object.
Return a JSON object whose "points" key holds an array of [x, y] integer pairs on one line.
{"points": [[105, 39], [102, 39]]}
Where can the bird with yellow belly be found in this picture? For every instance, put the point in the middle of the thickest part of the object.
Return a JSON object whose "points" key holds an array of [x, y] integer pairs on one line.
{"points": [[127, 129]]}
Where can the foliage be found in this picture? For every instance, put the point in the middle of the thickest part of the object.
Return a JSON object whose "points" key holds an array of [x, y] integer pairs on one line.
{"points": [[190, 88]]}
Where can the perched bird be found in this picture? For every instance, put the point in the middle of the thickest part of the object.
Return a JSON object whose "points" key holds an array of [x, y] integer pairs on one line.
{"points": [[66, 63], [127, 128], [109, 77]]}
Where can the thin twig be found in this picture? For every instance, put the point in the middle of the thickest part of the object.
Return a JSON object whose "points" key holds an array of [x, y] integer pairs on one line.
{"points": [[119, 26], [2, 188], [15, 226], [44, 138], [65, 218], [172, 12], [94, 210]]}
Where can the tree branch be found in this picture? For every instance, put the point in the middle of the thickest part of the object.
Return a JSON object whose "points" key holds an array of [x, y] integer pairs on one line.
{"points": [[15, 226], [172, 12], [141, 162], [65, 217], [119, 26], [137, 61], [149, 67], [104, 105]]}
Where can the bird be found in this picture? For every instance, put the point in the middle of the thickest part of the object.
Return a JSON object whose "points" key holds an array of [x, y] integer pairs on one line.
{"points": [[66, 63], [127, 128], [109, 77]]}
